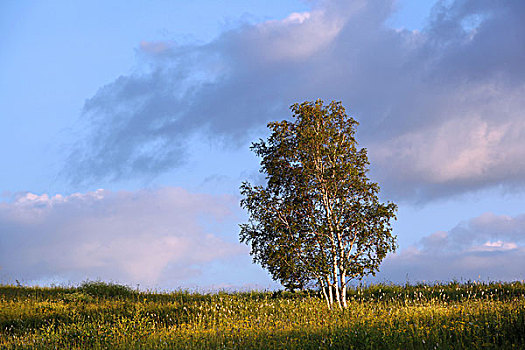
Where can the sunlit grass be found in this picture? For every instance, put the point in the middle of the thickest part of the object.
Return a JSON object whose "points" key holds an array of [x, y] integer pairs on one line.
{"points": [[99, 315]]}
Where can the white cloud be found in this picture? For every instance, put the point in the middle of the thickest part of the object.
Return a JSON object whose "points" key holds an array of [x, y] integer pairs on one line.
{"points": [[145, 237], [478, 143], [296, 38], [297, 17], [495, 246], [488, 247]]}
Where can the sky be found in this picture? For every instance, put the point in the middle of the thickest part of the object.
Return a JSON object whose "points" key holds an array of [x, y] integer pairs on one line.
{"points": [[125, 129]]}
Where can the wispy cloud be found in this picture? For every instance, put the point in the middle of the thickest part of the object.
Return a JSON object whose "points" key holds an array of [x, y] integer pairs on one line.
{"points": [[167, 235], [441, 110], [490, 247]]}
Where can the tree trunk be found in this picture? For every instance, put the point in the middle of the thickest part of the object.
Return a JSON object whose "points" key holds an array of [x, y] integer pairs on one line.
{"points": [[336, 284], [326, 297], [325, 293], [330, 294], [342, 279], [343, 291]]}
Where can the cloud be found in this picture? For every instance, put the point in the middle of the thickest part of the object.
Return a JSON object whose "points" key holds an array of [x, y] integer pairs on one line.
{"points": [[154, 47], [441, 109], [150, 236], [490, 247]]}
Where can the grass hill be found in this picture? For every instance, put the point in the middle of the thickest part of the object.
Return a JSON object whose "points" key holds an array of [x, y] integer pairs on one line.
{"points": [[97, 315]]}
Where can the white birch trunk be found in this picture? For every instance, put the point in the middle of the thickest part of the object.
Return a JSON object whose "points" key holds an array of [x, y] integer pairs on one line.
{"points": [[343, 291], [331, 294]]}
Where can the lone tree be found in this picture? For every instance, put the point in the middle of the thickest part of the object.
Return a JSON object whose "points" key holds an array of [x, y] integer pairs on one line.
{"points": [[318, 218]]}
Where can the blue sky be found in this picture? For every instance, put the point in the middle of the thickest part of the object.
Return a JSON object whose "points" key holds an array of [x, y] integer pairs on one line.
{"points": [[125, 129]]}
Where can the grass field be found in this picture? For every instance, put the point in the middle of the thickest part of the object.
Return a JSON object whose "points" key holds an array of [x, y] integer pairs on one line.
{"points": [[106, 316]]}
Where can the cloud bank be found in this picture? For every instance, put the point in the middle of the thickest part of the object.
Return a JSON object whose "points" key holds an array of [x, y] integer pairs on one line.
{"points": [[488, 247], [147, 237], [172, 238], [441, 110]]}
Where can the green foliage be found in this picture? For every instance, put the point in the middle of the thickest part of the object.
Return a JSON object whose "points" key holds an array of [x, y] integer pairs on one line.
{"points": [[318, 218], [441, 316], [104, 290]]}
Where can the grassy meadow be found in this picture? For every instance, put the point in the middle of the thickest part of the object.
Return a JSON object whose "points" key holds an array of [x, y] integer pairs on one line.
{"points": [[97, 315]]}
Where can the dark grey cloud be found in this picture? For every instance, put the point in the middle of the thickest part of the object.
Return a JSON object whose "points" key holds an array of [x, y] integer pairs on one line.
{"points": [[441, 110], [166, 236], [488, 247]]}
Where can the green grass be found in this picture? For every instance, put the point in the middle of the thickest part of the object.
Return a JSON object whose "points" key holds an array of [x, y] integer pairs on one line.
{"points": [[108, 316]]}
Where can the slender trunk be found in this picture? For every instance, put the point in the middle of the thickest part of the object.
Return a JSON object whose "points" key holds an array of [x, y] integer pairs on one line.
{"points": [[336, 283], [342, 287], [326, 297], [325, 293], [330, 294], [343, 291]]}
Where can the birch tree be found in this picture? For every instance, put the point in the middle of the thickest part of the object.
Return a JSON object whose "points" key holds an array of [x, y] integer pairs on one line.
{"points": [[318, 218]]}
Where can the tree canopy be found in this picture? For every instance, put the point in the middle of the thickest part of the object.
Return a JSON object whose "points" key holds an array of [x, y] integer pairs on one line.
{"points": [[318, 218]]}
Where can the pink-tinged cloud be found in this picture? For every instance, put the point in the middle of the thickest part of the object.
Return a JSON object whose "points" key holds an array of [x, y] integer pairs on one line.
{"points": [[488, 247], [145, 237]]}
